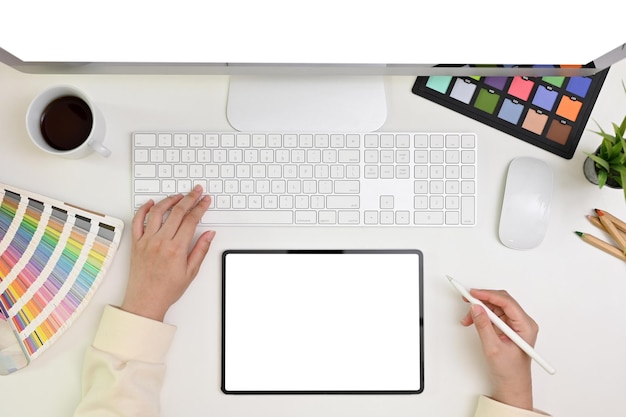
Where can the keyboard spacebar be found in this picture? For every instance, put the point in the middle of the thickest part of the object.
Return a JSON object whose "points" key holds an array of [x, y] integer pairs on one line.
{"points": [[247, 217]]}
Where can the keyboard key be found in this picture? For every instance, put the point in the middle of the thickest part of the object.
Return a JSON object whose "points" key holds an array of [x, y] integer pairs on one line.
{"points": [[327, 217], [145, 171], [347, 187], [468, 141], [180, 140], [306, 217], [145, 139], [349, 156], [141, 155], [147, 186], [403, 217], [370, 217], [428, 218], [349, 217], [342, 201], [468, 210], [214, 217]]}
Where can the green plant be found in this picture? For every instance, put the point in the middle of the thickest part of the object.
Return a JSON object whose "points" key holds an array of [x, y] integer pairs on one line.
{"points": [[610, 158]]}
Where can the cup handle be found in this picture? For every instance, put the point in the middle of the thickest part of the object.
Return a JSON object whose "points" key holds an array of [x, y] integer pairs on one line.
{"points": [[101, 149]]}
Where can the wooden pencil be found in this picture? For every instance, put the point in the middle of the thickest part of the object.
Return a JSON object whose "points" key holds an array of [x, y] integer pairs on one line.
{"points": [[621, 225], [596, 222], [609, 226], [602, 245]]}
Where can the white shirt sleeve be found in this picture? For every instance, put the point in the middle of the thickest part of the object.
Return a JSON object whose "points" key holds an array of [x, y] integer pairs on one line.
{"points": [[124, 368], [488, 407]]}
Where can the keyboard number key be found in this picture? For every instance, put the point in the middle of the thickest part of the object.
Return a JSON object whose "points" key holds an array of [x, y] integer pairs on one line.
{"points": [[468, 187], [428, 218], [165, 140]]}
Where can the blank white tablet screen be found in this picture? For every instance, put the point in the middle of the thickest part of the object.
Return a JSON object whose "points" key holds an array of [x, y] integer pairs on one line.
{"points": [[322, 322]]}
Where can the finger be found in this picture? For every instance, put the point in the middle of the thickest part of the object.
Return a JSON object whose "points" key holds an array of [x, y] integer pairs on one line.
{"points": [[179, 211], [140, 218], [198, 253], [188, 227], [503, 300], [486, 332], [513, 313], [467, 320], [158, 210]]}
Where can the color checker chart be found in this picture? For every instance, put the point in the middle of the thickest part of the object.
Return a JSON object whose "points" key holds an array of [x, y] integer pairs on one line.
{"points": [[52, 259], [548, 112]]}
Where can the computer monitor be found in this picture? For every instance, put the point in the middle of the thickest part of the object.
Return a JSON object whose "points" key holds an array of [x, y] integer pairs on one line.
{"points": [[309, 65]]}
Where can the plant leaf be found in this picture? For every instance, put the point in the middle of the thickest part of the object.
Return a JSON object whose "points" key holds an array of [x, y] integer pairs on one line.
{"points": [[615, 152], [623, 177], [604, 164], [602, 176], [622, 128], [619, 168]]}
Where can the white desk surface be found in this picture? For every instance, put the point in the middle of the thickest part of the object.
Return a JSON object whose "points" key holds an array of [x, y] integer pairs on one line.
{"points": [[574, 291]]}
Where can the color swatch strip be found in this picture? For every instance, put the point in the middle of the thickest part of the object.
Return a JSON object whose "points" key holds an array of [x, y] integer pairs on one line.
{"points": [[52, 258], [549, 112]]}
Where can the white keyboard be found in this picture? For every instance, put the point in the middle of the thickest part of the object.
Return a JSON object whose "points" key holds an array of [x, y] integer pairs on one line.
{"points": [[367, 179]]}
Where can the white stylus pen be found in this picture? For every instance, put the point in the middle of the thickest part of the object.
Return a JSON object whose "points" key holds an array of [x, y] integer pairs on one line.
{"points": [[503, 327]]}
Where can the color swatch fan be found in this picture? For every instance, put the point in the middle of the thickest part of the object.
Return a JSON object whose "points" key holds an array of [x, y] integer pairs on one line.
{"points": [[52, 258], [549, 112]]}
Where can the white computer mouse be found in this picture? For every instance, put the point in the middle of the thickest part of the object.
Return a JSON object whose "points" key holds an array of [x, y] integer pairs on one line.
{"points": [[526, 203]]}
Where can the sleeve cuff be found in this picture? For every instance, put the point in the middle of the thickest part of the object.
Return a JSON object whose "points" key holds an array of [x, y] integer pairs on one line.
{"points": [[488, 407], [132, 337]]}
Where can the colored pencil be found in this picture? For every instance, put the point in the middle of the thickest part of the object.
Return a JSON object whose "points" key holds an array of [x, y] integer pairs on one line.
{"points": [[617, 222], [596, 222], [611, 229], [602, 245]]}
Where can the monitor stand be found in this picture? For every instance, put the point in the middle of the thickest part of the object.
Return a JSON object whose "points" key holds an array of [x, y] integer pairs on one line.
{"points": [[306, 103]]}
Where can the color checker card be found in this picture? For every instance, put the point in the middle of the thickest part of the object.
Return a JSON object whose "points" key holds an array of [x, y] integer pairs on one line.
{"points": [[52, 258], [548, 112]]}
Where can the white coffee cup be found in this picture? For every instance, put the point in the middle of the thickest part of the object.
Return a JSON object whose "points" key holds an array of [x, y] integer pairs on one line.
{"points": [[86, 138]]}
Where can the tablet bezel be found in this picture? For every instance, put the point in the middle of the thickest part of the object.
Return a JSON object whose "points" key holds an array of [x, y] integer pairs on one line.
{"points": [[415, 252]]}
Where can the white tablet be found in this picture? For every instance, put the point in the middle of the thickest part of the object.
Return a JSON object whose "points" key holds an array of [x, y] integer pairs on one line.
{"points": [[322, 321]]}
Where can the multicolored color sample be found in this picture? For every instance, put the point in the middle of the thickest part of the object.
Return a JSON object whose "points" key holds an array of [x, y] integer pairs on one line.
{"points": [[548, 112], [52, 258]]}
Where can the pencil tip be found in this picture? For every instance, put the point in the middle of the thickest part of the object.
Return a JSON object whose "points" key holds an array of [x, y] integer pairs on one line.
{"points": [[579, 234], [600, 212]]}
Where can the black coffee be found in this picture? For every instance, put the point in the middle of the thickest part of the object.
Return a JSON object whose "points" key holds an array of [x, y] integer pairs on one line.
{"points": [[66, 123]]}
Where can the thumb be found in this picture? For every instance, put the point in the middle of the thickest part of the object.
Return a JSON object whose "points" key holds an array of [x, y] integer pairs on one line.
{"points": [[199, 251], [483, 326]]}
